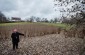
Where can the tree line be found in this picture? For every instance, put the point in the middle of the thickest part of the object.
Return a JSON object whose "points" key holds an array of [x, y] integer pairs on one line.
{"points": [[4, 19], [38, 19]]}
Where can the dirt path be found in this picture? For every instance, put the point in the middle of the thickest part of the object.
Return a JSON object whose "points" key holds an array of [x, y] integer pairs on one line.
{"points": [[44, 45]]}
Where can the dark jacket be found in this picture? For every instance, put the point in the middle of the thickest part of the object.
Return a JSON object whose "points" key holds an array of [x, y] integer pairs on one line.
{"points": [[15, 36]]}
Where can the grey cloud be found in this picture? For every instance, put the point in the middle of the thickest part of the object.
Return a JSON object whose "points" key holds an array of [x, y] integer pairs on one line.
{"points": [[6, 5], [26, 8]]}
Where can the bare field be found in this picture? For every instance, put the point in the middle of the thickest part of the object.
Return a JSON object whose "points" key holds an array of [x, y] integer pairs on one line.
{"points": [[54, 44]]}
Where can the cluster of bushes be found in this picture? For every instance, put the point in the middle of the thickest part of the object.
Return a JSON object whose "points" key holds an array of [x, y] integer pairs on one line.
{"points": [[74, 32]]}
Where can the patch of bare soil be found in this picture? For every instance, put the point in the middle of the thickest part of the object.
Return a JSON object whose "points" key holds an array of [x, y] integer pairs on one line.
{"points": [[54, 44]]}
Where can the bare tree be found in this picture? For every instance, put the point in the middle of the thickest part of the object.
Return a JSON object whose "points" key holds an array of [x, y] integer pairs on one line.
{"points": [[51, 21], [55, 20], [44, 20], [31, 19], [74, 9], [38, 19]]}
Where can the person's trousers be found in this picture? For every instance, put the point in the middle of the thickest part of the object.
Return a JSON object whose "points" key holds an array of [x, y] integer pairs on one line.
{"points": [[15, 45]]}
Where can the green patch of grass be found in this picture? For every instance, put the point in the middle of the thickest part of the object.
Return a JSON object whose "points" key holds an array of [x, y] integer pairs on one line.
{"points": [[61, 25], [12, 24]]}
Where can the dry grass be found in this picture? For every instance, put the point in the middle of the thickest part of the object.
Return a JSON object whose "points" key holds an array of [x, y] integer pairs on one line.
{"points": [[30, 30], [74, 32]]}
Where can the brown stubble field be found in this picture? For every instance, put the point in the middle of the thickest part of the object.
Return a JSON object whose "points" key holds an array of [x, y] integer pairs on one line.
{"points": [[30, 30], [41, 39]]}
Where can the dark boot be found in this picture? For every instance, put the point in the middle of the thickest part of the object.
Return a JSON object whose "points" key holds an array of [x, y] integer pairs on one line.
{"points": [[13, 46], [16, 45]]}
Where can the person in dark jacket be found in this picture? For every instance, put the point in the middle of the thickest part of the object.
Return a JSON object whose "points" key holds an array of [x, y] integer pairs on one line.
{"points": [[15, 38]]}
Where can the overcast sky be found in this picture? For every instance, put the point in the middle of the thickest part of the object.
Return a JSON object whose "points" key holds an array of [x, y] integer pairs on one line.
{"points": [[27, 8]]}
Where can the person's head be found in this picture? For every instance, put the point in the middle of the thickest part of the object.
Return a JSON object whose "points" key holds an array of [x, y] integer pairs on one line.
{"points": [[15, 30]]}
